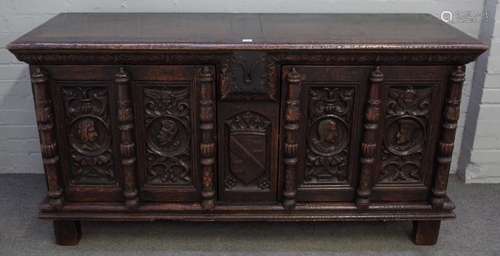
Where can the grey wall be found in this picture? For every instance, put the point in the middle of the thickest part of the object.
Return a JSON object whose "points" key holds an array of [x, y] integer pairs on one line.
{"points": [[19, 150], [481, 148]]}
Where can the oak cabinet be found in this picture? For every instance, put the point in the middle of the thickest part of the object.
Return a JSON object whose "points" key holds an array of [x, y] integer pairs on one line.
{"points": [[309, 122]]}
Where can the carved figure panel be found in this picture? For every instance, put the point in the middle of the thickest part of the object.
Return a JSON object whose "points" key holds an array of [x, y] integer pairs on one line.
{"points": [[249, 76], [88, 124], [405, 135], [330, 112], [248, 152], [168, 142]]}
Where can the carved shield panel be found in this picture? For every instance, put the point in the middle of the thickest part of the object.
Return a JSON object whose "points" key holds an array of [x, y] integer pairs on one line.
{"points": [[247, 156], [247, 152]]}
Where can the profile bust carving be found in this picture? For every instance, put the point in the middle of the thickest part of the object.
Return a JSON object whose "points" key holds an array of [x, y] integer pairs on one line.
{"points": [[88, 134], [327, 131]]}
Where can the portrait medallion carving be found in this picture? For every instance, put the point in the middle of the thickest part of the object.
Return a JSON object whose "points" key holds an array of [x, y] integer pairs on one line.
{"points": [[405, 136], [88, 136], [87, 120], [407, 118], [168, 125], [327, 135], [330, 112], [168, 136]]}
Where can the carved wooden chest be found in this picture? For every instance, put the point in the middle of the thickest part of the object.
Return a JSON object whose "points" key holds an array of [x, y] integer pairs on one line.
{"points": [[246, 117]]}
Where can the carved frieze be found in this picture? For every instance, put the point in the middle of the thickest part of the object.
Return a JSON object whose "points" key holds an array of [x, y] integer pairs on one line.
{"points": [[88, 123], [169, 58], [168, 140], [329, 125], [405, 135]]}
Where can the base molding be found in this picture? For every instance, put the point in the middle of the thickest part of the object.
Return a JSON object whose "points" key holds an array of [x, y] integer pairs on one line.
{"points": [[273, 212]]}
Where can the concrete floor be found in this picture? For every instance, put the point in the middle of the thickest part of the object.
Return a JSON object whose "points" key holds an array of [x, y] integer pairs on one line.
{"points": [[476, 231]]}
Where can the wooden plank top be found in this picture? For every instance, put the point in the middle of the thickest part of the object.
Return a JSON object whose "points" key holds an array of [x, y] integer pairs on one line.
{"points": [[245, 31]]}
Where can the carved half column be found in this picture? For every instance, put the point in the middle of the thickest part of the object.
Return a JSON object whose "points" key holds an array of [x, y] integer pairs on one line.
{"points": [[45, 120], [207, 144], [369, 145], [127, 144], [445, 146], [292, 118]]}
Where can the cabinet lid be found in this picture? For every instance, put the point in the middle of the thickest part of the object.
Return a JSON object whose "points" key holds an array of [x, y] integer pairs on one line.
{"points": [[245, 31]]}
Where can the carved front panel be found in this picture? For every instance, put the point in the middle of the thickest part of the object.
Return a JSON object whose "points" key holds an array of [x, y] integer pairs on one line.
{"points": [[406, 134], [249, 76], [169, 102], [86, 115], [330, 101], [87, 119], [248, 135], [412, 101], [248, 151], [167, 112], [328, 133]]}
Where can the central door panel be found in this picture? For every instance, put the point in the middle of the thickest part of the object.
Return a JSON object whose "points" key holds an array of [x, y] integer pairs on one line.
{"points": [[330, 106], [248, 151]]}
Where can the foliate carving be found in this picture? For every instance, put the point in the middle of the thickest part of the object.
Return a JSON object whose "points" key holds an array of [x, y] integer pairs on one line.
{"points": [[249, 75], [369, 144], [446, 141], [292, 118], [208, 137], [162, 58], [407, 118], [88, 123], [168, 123], [248, 136], [330, 118], [45, 120], [127, 141], [248, 122], [371, 59]]}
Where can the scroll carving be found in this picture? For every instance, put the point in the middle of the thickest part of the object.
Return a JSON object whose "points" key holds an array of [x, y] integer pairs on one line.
{"points": [[46, 128], [178, 58], [168, 127], [249, 75], [330, 119], [88, 122], [405, 136], [292, 118], [446, 141], [127, 143], [248, 136], [369, 144], [207, 143]]}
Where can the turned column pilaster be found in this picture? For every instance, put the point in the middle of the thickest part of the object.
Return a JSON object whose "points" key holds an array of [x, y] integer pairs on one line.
{"points": [[292, 118], [45, 116], [369, 144], [207, 143], [446, 142], [127, 143]]}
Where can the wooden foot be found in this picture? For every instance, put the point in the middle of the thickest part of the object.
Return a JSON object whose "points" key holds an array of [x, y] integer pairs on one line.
{"points": [[426, 232], [67, 232]]}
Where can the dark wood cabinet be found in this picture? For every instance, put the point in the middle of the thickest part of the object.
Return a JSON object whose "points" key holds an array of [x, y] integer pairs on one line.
{"points": [[304, 117]]}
